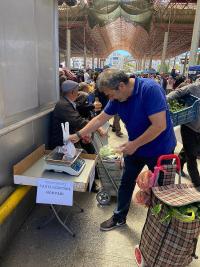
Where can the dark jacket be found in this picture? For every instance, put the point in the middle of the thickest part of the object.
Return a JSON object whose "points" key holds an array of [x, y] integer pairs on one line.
{"points": [[85, 109], [64, 111]]}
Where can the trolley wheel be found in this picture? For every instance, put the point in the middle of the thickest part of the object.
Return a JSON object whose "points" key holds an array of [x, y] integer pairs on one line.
{"points": [[103, 197], [138, 257]]}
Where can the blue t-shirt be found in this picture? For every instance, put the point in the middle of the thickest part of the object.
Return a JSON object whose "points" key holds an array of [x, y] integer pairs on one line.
{"points": [[147, 99]]}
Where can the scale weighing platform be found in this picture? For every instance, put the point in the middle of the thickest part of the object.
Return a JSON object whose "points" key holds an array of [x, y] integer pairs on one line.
{"points": [[55, 161]]}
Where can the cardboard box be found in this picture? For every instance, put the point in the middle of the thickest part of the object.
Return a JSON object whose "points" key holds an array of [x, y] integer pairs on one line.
{"points": [[27, 171]]}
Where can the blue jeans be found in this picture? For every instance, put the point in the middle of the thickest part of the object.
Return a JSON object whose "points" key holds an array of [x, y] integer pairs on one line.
{"points": [[133, 166]]}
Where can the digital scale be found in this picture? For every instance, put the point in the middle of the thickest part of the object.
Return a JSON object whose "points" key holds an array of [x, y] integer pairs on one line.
{"points": [[55, 161]]}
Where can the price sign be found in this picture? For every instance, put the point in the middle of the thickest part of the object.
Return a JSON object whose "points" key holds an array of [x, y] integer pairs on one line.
{"points": [[56, 192]]}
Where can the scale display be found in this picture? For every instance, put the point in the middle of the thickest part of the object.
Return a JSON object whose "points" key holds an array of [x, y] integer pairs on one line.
{"points": [[56, 161]]}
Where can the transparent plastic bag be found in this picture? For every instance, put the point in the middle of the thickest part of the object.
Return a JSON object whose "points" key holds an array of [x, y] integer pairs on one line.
{"points": [[68, 149]]}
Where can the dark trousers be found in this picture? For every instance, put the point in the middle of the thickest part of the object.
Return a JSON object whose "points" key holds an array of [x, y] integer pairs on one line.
{"points": [[116, 124], [133, 166], [191, 145]]}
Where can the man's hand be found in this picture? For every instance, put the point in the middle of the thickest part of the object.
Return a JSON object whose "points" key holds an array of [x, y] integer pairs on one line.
{"points": [[73, 138], [87, 139], [128, 148], [97, 106], [102, 132]]}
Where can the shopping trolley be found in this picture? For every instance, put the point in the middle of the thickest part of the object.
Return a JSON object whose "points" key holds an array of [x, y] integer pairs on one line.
{"points": [[172, 243], [109, 173]]}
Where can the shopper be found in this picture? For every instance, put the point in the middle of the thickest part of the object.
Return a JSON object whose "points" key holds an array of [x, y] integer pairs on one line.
{"points": [[116, 127], [141, 104], [190, 133]]}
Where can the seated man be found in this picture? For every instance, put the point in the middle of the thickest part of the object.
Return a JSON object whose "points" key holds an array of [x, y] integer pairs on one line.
{"points": [[65, 110]]}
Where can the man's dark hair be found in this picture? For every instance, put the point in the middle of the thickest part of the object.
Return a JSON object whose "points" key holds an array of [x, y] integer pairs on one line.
{"points": [[111, 78]]}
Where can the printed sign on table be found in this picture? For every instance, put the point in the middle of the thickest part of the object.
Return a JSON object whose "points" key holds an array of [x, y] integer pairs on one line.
{"points": [[50, 191]]}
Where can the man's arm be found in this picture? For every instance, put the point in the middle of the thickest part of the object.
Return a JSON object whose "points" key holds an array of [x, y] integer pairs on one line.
{"points": [[185, 90], [158, 125], [92, 126]]}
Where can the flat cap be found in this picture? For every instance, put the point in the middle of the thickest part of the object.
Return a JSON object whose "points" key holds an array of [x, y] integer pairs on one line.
{"points": [[69, 85]]}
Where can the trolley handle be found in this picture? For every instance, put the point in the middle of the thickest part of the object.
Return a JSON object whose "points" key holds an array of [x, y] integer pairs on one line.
{"points": [[169, 157]]}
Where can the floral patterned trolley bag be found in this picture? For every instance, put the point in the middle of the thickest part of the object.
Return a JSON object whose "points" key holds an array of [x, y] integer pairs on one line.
{"points": [[170, 233]]}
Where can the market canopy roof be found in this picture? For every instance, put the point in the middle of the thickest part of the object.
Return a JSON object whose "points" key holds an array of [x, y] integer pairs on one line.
{"points": [[137, 26]]}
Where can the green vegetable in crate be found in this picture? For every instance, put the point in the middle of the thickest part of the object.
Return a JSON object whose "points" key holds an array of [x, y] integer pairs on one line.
{"points": [[107, 152], [175, 106]]}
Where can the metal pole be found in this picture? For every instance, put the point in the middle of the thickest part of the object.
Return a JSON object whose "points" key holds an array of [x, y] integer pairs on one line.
{"points": [[85, 50], [195, 36]]}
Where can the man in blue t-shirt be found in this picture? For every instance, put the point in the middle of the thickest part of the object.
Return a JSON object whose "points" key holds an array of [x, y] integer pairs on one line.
{"points": [[141, 104]]}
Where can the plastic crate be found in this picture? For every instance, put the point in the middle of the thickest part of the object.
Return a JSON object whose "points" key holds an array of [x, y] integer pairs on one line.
{"points": [[187, 114]]}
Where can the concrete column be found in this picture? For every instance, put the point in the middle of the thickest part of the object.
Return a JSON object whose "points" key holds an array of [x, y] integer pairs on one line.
{"points": [[195, 36], [150, 62], [185, 64], [136, 63], [93, 60], [198, 60], [84, 48], [103, 62], [166, 37], [98, 63], [140, 64], [174, 63], [68, 48], [144, 63]]}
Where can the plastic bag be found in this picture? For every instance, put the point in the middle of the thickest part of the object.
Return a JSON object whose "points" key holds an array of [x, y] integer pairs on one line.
{"points": [[143, 198], [68, 149], [145, 180]]}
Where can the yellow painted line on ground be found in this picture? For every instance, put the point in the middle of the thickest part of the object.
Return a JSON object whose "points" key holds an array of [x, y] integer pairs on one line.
{"points": [[12, 201]]}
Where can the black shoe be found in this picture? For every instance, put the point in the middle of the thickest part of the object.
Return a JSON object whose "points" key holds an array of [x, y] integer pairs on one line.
{"points": [[113, 130], [111, 224], [119, 134]]}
